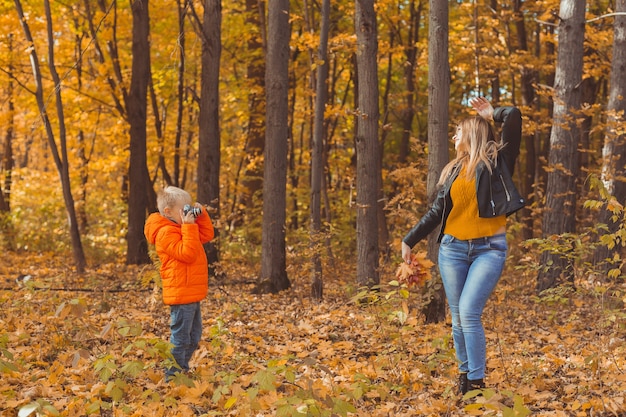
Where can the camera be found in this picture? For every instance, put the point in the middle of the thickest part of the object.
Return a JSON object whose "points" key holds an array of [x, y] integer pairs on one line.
{"points": [[196, 211]]}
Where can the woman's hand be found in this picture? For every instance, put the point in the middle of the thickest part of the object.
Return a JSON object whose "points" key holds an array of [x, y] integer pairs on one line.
{"points": [[483, 107], [406, 253]]}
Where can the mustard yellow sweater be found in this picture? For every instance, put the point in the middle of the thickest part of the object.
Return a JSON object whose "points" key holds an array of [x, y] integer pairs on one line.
{"points": [[463, 222]]}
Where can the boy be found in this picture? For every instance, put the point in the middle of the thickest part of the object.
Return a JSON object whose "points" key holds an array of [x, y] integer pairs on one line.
{"points": [[178, 231]]}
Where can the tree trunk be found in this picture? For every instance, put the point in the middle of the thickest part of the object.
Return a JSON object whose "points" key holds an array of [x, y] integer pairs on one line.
{"points": [[317, 162], [158, 130], [63, 167], [542, 140], [255, 140], [528, 78], [60, 160], [180, 94], [614, 150], [6, 167], [589, 89], [408, 114], [115, 81], [273, 257], [381, 201], [367, 152], [560, 213], [136, 105], [6, 164], [209, 129], [438, 157]]}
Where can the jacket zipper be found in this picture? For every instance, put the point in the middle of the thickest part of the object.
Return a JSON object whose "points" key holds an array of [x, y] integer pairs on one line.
{"points": [[493, 205], [506, 190]]}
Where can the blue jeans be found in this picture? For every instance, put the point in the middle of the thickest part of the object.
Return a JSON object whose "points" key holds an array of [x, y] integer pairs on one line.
{"points": [[470, 270], [186, 327]]}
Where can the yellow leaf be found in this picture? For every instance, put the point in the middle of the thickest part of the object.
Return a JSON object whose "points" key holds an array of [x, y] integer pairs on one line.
{"points": [[417, 272]]}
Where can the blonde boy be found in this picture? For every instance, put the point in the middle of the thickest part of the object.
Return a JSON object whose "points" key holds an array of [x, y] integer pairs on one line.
{"points": [[178, 232]]}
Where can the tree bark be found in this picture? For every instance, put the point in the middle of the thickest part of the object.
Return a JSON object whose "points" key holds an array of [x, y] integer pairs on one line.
{"points": [[367, 145], [273, 256], [438, 157], [614, 150], [408, 113], [61, 160], [381, 201], [209, 129], [6, 164], [180, 93], [136, 105], [317, 162], [528, 78], [115, 81], [83, 154], [255, 140], [560, 212]]}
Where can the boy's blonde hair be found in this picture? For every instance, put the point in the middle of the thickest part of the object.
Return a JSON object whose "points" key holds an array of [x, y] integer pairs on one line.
{"points": [[170, 196]]}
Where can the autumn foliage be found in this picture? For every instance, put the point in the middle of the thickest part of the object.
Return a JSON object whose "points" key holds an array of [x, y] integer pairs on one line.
{"points": [[415, 273], [96, 345]]}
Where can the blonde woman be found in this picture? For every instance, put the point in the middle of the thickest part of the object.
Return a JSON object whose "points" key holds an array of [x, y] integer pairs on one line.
{"points": [[476, 194]]}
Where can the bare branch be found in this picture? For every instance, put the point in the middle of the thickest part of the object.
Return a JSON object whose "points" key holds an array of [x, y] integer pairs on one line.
{"points": [[605, 16], [13, 77]]}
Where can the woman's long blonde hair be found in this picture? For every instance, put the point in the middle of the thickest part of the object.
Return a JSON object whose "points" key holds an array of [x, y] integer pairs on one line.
{"points": [[477, 144]]}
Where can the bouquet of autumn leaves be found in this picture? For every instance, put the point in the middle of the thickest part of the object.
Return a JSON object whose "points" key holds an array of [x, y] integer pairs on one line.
{"points": [[417, 272]]}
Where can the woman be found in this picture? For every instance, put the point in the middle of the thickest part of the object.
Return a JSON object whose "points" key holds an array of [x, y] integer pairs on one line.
{"points": [[475, 196]]}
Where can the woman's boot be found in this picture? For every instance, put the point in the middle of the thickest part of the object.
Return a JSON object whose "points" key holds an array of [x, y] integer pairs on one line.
{"points": [[473, 384], [463, 383]]}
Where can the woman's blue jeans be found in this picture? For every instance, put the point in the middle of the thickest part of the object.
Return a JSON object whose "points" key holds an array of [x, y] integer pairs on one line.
{"points": [[470, 270], [186, 327]]}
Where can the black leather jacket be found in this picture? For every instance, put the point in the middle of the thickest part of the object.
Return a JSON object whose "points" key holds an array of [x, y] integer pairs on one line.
{"points": [[495, 192]]}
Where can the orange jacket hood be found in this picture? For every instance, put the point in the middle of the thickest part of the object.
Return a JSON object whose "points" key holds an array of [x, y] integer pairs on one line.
{"points": [[184, 267]]}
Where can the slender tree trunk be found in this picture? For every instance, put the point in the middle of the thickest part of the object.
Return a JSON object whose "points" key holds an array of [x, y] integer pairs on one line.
{"points": [[77, 246], [292, 145], [6, 164], [317, 162], [158, 129], [614, 150], [367, 145], [560, 214], [543, 141], [589, 89], [255, 140], [6, 167], [273, 257], [438, 96], [137, 103], [209, 129], [115, 80], [528, 78], [60, 160], [408, 114], [381, 201], [83, 154], [180, 94]]}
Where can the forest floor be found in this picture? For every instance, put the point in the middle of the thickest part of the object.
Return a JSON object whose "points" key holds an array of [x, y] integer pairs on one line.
{"points": [[95, 344]]}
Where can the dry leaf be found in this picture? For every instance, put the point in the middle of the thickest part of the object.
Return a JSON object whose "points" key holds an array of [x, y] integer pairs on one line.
{"points": [[417, 272]]}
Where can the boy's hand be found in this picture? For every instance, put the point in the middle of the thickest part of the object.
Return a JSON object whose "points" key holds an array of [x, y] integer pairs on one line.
{"points": [[188, 218]]}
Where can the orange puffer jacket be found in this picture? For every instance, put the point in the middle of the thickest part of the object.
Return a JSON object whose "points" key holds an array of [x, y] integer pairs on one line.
{"points": [[184, 268]]}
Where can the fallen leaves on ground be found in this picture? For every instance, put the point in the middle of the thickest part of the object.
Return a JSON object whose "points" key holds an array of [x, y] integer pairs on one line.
{"points": [[96, 344]]}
